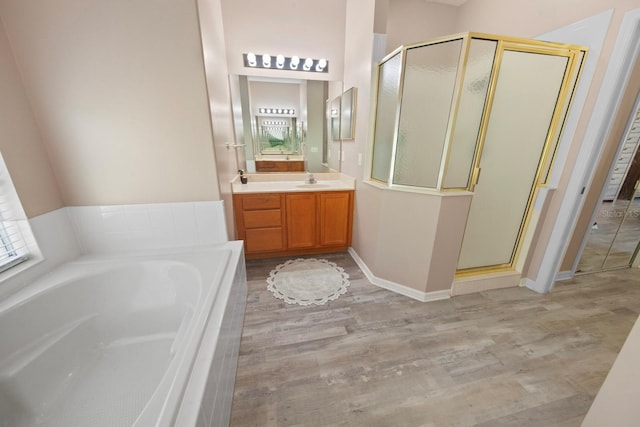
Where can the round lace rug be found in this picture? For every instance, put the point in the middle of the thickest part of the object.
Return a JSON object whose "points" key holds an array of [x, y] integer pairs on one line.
{"points": [[307, 281]]}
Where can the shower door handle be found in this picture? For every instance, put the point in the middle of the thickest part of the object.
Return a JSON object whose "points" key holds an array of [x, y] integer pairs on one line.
{"points": [[475, 178]]}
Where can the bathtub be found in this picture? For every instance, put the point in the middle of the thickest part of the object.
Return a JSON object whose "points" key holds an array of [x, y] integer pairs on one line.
{"points": [[123, 341]]}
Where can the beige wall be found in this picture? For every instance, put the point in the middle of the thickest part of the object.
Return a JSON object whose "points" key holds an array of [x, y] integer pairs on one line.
{"points": [[20, 141], [118, 91], [307, 29], [411, 21]]}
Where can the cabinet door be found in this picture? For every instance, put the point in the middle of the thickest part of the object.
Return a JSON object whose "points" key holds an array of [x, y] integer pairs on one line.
{"points": [[335, 219], [301, 220]]}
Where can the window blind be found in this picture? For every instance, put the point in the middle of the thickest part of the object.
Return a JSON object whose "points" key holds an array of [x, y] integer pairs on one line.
{"points": [[13, 247]]}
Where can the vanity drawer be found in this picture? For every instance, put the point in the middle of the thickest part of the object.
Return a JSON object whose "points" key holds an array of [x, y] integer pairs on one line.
{"points": [[262, 218], [264, 239], [260, 201]]}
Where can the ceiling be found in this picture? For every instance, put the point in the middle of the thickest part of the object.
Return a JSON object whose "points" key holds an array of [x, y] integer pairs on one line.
{"points": [[448, 2]]}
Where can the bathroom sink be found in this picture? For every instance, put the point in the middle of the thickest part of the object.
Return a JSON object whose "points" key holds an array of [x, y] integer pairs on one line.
{"points": [[313, 186]]}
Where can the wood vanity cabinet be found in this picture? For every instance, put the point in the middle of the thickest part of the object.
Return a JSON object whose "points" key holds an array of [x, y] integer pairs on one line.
{"points": [[280, 224], [279, 166]]}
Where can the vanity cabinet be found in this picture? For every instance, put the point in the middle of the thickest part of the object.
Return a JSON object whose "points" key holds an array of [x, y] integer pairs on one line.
{"points": [[279, 166], [281, 224], [260, 219]]}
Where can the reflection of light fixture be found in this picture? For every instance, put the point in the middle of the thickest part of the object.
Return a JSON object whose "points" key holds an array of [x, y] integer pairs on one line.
{"points": [[289, 111], [266, 60], [307, 64], [274, 123], [251, 59], [281, 62]]}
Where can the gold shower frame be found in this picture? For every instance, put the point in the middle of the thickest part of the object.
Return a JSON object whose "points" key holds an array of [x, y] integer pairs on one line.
{"points": [[576, 58]]}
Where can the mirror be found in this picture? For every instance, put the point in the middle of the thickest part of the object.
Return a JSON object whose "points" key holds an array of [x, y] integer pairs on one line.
{"points": [[348, 114], [284, 124]]}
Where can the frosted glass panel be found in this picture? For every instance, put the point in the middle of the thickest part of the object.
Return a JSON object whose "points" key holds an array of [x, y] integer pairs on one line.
{"points": [[525, 99], [388, 87], [470, 109], [573, 80], [427, 93]]}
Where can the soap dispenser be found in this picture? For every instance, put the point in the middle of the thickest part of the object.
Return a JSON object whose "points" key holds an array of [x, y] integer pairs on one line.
{"points": [[243, 179]]}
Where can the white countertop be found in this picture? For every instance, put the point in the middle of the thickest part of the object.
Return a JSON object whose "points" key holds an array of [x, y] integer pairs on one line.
{"points": [[292, 182], [279, 157]]}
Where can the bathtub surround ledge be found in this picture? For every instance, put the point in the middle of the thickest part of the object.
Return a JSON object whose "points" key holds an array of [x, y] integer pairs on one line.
{"points": [[142, 227]]}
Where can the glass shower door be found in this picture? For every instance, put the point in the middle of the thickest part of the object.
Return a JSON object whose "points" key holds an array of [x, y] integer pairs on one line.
{"points": [[524, 113]]}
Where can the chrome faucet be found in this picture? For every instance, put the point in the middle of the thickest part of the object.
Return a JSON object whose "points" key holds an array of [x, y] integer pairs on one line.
{"points": [[310, 179]]}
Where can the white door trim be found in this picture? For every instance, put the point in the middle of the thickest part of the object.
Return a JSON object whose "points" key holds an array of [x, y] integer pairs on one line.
{"points": [[613, 86]]}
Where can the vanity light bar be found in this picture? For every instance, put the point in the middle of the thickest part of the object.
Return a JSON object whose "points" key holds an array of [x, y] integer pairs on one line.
{"points": [[276, 111], [274, 122], [281, 62]]}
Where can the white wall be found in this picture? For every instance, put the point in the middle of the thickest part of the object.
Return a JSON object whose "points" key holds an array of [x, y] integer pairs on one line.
{"points": [[217, 77], [274, 94], [118, 91], [289, 27]]}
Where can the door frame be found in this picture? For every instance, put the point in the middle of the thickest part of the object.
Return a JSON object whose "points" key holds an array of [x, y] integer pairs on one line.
{"points": [[591, 31]]}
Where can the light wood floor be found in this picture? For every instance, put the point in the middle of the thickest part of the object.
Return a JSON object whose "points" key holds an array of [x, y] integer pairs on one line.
{"points": [[508, 357]]}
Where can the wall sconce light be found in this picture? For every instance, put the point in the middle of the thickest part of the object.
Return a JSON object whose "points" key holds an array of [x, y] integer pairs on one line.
{"points": [[281, 62]]}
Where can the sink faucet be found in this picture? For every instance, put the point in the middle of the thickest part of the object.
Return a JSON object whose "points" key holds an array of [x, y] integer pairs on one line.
{"points": [[310, 179]]}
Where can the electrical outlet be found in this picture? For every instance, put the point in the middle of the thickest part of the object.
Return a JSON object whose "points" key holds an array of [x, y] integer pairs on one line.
{"points": [[359, 159]]}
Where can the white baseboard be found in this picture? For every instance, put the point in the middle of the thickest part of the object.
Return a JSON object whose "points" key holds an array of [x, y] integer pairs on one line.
{"points": [[397, 287], [564, 275], [485, 282]]}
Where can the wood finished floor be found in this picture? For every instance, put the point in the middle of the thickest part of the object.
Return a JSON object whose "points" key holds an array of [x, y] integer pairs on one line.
{"points": [[507, 357]]}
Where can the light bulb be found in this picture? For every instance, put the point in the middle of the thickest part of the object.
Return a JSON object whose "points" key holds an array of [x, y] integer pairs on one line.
{"points": [[322, 63], [266, 60], [251, 59], [280, 61], [307, 64], [293, 64]]}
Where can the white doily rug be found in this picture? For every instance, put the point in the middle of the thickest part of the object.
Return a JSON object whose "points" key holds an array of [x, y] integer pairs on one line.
{"points": [[308, 281]]}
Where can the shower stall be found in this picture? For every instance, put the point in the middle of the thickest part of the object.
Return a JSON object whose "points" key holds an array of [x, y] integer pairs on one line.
{"points": [[475, 113]]}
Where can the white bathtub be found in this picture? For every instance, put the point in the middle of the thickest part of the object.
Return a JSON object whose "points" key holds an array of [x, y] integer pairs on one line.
{"points": [[120, 341]]}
